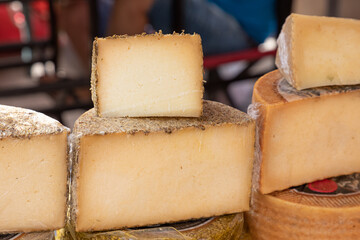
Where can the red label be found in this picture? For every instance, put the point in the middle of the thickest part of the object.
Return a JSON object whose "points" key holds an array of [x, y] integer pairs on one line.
{"points": [[347, 184], [323, 186]]}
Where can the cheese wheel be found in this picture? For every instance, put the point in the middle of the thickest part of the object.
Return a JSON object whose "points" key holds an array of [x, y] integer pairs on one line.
{"points": [[304, 136], [33, 171], [134, 172], [327, 209], [220, 228]]}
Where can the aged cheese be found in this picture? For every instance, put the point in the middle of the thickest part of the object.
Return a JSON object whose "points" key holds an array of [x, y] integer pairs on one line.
{"points": [[33, 171], [329, 210], [319, 51], [148, 75], [140, 171], [304, 135], [220, 228]]}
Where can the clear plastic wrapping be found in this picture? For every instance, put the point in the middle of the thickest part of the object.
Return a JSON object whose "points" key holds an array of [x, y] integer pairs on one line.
{"points": [[218, 228], [289, 93], [29, 236]]}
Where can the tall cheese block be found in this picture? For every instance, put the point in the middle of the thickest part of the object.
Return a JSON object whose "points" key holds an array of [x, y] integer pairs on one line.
{"points": [[304, 135], [148, 75], [132, 172], [319, 51], [33, 171], [323, 210]]}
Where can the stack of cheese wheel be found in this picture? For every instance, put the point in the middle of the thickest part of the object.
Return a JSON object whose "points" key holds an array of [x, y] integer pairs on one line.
{"points": [[308, 130], [152, 151]]}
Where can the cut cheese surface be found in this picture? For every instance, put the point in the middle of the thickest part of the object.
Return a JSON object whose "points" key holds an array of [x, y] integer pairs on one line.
{"points": [[143, 171], [148, 75], [326, 210], [33, 171], [319, 51], [311, 138]]}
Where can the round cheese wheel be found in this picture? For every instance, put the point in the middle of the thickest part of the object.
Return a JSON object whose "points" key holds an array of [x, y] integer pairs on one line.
{"points": [[327, 209]]}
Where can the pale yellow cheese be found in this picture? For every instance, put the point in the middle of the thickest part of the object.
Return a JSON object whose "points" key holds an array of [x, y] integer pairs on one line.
{"points": [[33, 171], [148, 75], [142, 171], [319, 51], [295, 215], [304, 140]]}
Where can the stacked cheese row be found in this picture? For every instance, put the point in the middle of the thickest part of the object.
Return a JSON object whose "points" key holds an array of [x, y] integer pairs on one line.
{"points": [[308, 131], [152, 151]]}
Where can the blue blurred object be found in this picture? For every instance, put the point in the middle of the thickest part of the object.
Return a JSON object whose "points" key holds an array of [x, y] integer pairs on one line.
{"points": [[104, 10], [224, 25], [257, 17]]}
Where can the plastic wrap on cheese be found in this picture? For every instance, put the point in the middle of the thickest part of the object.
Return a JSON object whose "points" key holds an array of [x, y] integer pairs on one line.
{"points": [[218, 228], [28, 236], [289, 93]]}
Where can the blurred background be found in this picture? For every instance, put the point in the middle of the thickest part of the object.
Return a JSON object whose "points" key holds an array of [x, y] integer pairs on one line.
{"points": [[45, 46]]}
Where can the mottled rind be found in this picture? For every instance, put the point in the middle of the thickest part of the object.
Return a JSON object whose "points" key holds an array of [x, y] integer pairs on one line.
{"points": [[94, 67], [213, 114], [21, 123], [94, 76], [284, 58]]}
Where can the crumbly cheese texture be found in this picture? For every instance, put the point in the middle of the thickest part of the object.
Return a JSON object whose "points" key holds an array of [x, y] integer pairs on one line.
{"points": [[292, 215], [319, 51], [140, 171], [304, 140], [148, 75], [33, 171]]}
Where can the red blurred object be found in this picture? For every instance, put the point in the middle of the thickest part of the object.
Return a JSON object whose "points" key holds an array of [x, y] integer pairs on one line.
{"points": [[19, 18], [8, 31], [251, 54], [10, 20], [40, 19]]}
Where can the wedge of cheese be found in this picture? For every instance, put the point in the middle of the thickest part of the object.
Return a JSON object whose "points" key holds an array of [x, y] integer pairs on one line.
{"points": [[326, 210], [319, 51], [139, 171], [304, 135], [148, 75], [33, 171]]}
